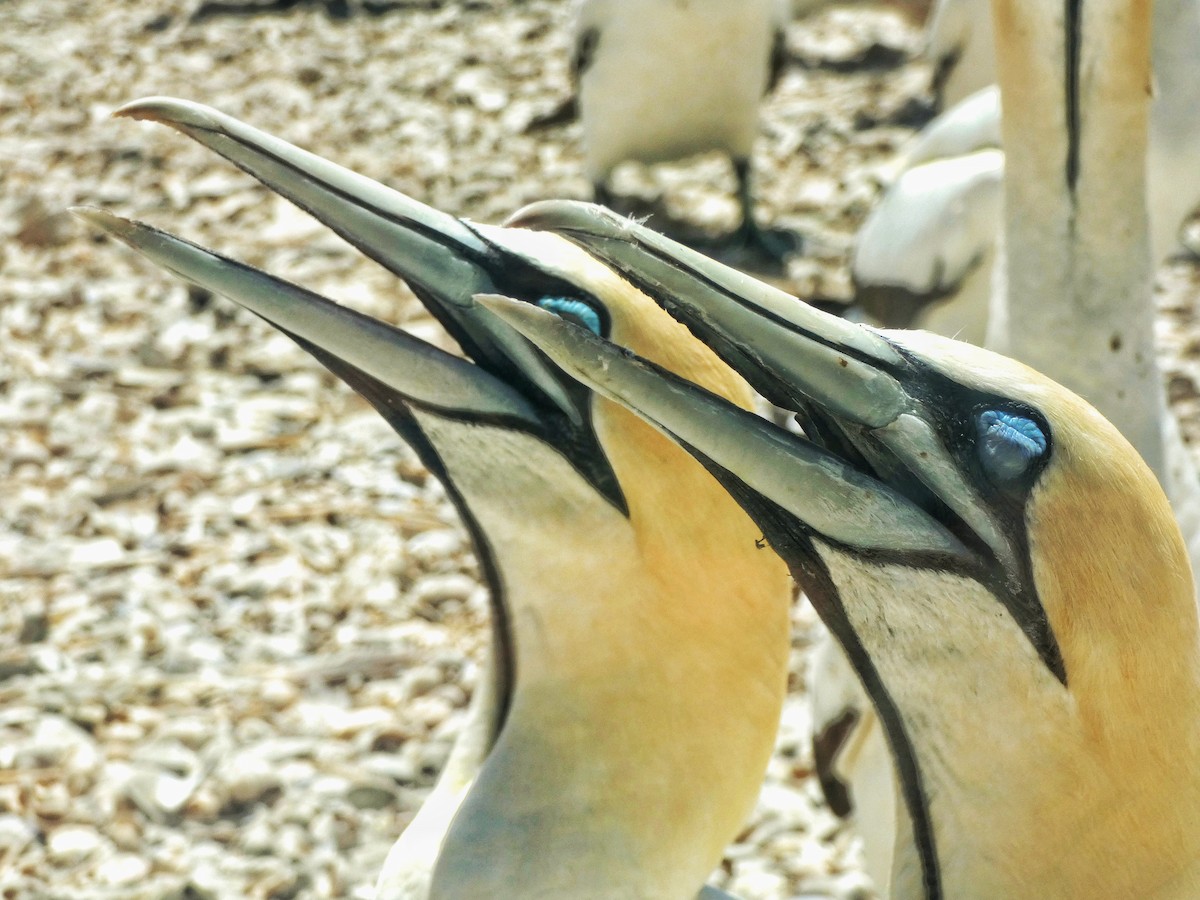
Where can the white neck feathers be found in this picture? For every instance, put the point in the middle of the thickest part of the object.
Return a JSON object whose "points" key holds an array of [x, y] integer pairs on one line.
{"points": [[1077, 297]]}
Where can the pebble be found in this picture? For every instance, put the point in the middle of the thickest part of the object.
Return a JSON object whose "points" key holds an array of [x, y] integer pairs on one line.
{"points": [[258, 837], [437, 589], [54, 741], [251, 780], [51, 801], [159, 796], [122, 870], [96, 554], [207, 882], [435, 544], [429, 710], [755, 879], [375, 795], [39, 226], [279, 693], [71, 844], [400, 768], [192, 732], [15, 835]]}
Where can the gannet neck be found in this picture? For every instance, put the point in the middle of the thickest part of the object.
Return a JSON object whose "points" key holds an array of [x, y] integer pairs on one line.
{"points": [[667, 624], [651, 645], [1076, 298]]}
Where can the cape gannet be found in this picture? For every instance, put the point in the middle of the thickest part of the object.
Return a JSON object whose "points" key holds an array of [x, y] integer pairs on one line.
{"points": [[1000, 565], [639, 655]]}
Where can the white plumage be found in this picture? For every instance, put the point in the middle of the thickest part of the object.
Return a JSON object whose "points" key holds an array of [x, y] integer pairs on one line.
{"points": [[660, 80]]}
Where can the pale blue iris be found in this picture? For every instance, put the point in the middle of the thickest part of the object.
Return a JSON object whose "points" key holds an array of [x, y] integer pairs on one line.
{"points": [[1008, 444], [573, 309]]}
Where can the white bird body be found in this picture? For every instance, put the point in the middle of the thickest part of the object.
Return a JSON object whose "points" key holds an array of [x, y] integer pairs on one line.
{"points": [[971, 124], [959, 41], [925, 254], [661, 80], [666, 79], [928, 196]]}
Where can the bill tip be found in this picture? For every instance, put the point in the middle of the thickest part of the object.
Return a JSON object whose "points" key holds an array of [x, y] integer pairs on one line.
{"points": [[165, 110], [99, 218]]}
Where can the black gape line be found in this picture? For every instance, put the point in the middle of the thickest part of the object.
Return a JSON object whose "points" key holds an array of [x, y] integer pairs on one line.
{"points": [[1073, 29], [510, 275], [951, 408], [792, 540], [396, 412]]}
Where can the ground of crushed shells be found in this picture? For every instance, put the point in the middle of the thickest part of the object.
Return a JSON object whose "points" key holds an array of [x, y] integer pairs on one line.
{"points": [[238, 622]]}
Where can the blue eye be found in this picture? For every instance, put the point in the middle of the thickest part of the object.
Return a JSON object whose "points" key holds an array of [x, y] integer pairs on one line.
{"points": [[1008, 444], [573, 309]]}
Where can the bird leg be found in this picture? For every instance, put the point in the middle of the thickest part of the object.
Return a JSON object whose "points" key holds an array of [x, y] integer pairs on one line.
{"points": [[774, 245], [601, 193]]}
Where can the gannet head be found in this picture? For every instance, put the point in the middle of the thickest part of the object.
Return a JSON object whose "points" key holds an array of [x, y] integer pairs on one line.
{"points": [[630, 601], [1001, 567]]}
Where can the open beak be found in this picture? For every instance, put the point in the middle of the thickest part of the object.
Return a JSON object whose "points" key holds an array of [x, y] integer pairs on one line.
{"points": [[380, 361], [443, 259], [829, 496]]}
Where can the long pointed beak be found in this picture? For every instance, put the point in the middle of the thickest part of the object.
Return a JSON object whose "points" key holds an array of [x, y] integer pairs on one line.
{"points": [[829, 496], [790, 352], [845, 382], [366, 353], [442, 259]]}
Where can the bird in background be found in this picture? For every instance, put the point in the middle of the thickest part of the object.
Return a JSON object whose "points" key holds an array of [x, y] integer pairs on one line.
{"points": [[640, 638], [660, 80], [999, 564], [960, 45], [924, 257]]}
